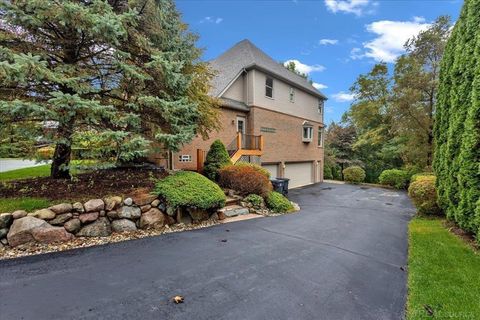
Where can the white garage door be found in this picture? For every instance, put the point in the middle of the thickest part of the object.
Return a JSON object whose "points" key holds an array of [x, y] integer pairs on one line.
{"points": [[300, 174], [272, 168]]}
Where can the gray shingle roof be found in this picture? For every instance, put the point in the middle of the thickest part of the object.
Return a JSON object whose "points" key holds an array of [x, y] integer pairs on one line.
{"points": [[245, 55]]}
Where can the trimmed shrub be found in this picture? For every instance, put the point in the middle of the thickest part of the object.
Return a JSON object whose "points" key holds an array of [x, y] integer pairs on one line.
{"points": [[395, 178], [419, 175], [217, 157], [186, 189], [424, 195], [244, 179], [254, 166], [278, 203], [254, 199], [354, 174]]}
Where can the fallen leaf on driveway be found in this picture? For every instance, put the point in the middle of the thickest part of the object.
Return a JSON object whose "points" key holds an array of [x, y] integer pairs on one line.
{"points": [[178, 299]]}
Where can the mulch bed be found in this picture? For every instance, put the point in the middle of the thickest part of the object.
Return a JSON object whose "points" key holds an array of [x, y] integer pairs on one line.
{"points": [[85, 186]]}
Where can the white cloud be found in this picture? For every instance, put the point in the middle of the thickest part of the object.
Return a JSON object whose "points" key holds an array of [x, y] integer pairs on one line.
{"points": [[356, 53], [325, 42], [329, 109], [343, 96], [305, 68], [211, 20], [357, 7], [319, 86], [391, 36]]}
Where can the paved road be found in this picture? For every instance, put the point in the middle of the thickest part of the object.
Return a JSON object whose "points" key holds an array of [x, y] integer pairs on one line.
{"points": [[12, 164], [339, 258]]}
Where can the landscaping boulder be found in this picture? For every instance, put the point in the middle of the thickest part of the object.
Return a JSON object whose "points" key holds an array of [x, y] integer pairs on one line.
{"points": [[112, 214], [99, 228], [94, 205], [5, 220], [78, 207], [88, 217], [183, 217], [143, 197], [152, 218], [44, 214], [129, 212], [123, 225], [198, 214], [61, 208], [73, 225], [128, 201], [19, 214], [145, 208], [169, 220], [112, 203], [155, 203], [61, 219], [21, 230], [3, 233], [49, 234]]}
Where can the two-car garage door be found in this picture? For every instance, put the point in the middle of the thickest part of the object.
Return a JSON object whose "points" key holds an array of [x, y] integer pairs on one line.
{"points": [[299, 173]]}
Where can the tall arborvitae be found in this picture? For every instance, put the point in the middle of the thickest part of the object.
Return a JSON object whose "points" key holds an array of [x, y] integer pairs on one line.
{"points": [[457, 126]]}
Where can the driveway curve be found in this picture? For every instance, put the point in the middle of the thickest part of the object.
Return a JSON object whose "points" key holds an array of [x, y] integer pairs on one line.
{"points": [[341, 257]]}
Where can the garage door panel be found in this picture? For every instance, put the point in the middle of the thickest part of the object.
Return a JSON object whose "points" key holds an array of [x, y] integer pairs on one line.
{"points": [[300, 173], [272, 168]]}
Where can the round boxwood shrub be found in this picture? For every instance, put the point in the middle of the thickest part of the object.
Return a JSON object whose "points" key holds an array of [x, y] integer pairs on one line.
{"points": [[420, 175], [254, 199], [244, 179], [278, 203], [217, 157], [354, 174], [424, 195], [395, 178], [186, 189]]}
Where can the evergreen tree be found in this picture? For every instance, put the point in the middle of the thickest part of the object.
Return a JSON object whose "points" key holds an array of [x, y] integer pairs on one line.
{"points": [[457, 126], [126, 72], [217, 157]]}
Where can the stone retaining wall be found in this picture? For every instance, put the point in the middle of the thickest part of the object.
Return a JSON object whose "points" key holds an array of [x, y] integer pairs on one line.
{"points": [[94, 218]]}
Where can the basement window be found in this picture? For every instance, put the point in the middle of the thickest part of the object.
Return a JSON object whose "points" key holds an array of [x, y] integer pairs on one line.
{"points": [[185, 158], [269, 87]]}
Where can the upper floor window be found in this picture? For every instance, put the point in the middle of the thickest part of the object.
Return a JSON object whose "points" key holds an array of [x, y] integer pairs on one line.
{"points": [[321, 103], [269, 87], [307, 133], [320, 137], [292, 94]]}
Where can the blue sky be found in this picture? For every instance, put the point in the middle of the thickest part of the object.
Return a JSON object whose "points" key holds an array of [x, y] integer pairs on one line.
{"points": [[334, 40]]}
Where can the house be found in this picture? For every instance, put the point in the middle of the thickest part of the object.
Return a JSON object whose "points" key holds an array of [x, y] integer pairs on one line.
{"points": [[270, 116]]}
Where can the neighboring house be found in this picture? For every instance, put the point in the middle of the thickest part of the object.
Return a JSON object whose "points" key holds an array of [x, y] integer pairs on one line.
{"points": [[269, 116]]}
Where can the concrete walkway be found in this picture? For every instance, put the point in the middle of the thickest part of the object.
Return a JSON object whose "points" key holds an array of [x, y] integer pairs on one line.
{"points": [[341, 257], [12, 164]]}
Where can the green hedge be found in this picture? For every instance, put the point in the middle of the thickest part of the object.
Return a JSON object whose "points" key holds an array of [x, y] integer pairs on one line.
{"points": [[354, 174], [457, 122], [190, 190], [395, 178], [278, 203]]}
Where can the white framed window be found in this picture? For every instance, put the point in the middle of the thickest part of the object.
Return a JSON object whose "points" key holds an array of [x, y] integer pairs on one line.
{"points": [[269, 87], [320, 137], [307, 133], [292, 94], [321, 105], [185, 158]]}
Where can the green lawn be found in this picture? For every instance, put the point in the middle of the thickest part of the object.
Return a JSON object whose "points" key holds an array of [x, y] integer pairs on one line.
{"points": [[27, 204], [443, 273], [24, 173]]}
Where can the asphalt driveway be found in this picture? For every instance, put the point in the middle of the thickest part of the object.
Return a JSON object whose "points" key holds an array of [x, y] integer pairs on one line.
{"points": [[341, 257]]}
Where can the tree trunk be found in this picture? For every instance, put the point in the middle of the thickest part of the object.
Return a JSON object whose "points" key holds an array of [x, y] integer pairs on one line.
{"points": [[63, 150]]}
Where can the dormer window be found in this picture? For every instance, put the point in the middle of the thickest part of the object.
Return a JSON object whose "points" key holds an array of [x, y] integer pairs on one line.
{"points": [[269, 87], [321, 104], [307, 132], [292, 94]]}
